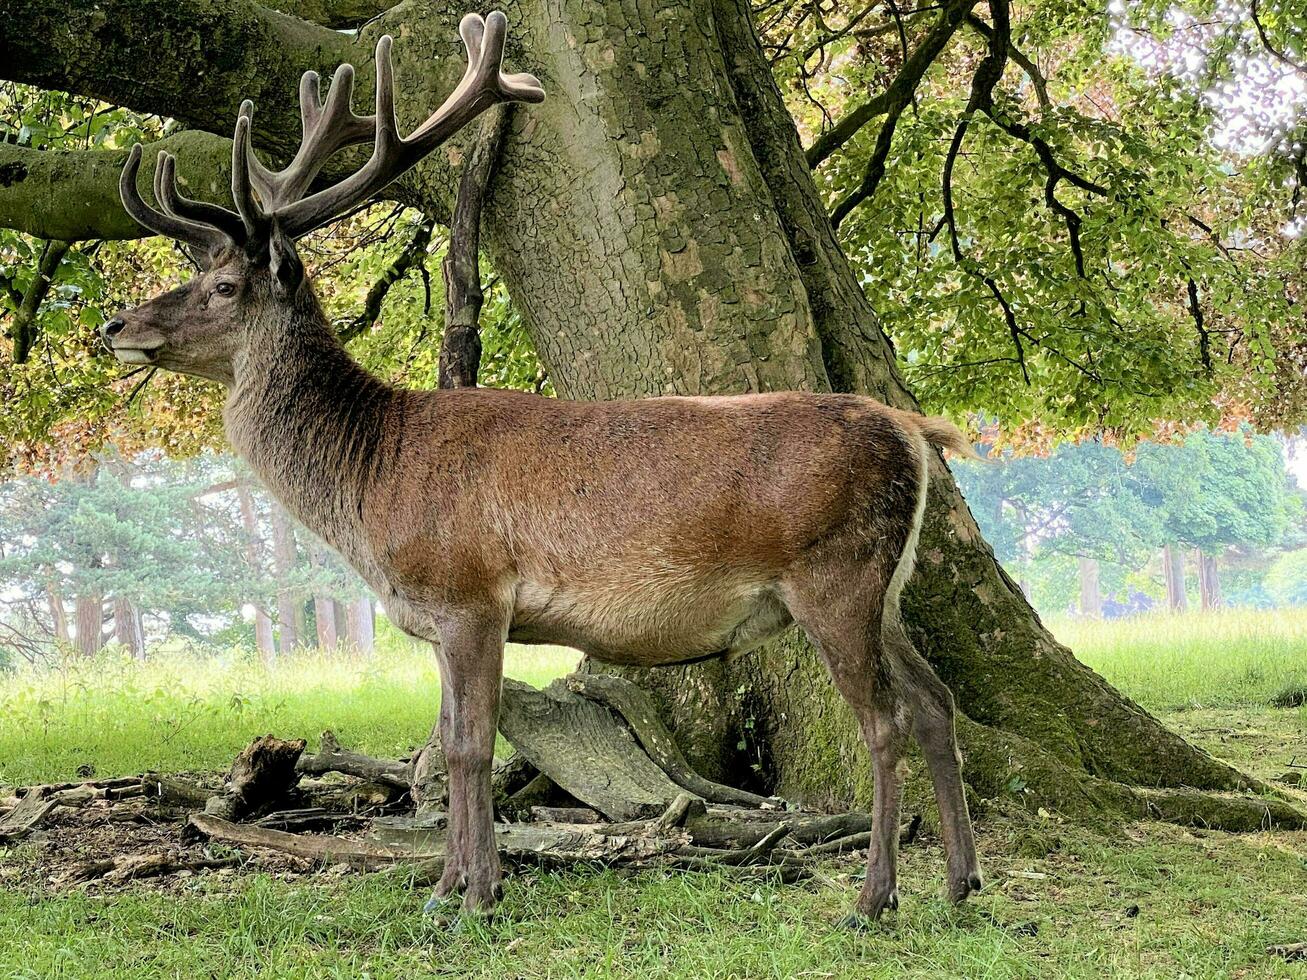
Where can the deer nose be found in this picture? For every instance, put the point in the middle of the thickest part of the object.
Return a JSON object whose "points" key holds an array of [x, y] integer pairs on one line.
{"points": [[112, 328]]}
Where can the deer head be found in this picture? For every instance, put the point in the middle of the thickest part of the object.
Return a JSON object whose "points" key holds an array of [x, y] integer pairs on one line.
{"points": [[251, 279]]}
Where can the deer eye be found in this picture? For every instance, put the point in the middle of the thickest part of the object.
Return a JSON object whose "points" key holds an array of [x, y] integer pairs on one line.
{"points": [[225, 289]]}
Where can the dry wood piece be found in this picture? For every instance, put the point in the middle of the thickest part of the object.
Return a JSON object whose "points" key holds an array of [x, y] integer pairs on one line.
{"points": [[1289, 951], [633, 704], [304, 818], [564, 814], [262, 775], [175, 791], [313, 847], [330, 757], [732, 828], [583, 748], [28, 814], [126, 867], [540, 843]]}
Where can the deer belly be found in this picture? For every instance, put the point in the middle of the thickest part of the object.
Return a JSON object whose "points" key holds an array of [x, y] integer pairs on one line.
{"points": [[655, 625]]}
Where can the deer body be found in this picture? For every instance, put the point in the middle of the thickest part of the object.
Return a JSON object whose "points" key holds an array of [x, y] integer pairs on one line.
{"points": [[646, 532]]}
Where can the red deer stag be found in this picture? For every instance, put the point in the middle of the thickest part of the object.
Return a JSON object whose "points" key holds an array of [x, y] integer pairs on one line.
{"points": [[643, 532]]}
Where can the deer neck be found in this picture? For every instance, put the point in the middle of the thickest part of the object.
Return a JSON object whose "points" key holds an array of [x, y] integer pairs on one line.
{"points": [[312, 424]]}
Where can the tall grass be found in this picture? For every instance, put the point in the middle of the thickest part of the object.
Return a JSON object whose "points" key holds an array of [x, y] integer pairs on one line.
{"points": [[183, 712], [1196, 660], [179, 711]]}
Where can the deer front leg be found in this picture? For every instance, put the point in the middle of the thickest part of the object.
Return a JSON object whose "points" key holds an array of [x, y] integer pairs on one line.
{"points": [[471, 659]]}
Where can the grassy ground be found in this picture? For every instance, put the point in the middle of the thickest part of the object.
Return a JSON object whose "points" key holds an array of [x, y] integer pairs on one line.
{"points": [[1157, 901], [1198, 660], [184, 713]]}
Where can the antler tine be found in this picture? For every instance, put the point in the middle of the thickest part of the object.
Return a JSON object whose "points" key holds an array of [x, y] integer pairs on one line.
{"points": [[327, 126], [175, 203], [483, 85], [254, 218], [197, 234]]}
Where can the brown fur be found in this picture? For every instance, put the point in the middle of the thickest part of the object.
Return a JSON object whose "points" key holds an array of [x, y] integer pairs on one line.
{"points": [[647, 532], [642, 532]]}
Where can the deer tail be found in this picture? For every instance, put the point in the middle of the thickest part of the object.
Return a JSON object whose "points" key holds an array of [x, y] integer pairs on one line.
{"points": [[939, 431]]}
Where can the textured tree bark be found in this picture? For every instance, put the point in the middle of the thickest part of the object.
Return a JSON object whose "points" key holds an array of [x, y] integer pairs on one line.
{"points": [[1173, 573], [127, 626], [657, 225], [89, 617]]}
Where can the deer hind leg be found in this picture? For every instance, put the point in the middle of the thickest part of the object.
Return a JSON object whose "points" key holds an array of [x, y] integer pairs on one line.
{"points": [[471, 668], [935, 731], [845, 628]]}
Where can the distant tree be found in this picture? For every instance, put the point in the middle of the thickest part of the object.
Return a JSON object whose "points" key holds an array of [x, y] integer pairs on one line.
{"points": [[1215, 490], [1081, 502], [1286, 580]]}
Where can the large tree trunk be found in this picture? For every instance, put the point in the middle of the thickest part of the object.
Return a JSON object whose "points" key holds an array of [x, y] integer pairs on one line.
{"points": [[89, 617], [1209, 581], [360, 625], [127, 626], [1173, 573], [324, 607], [687, 251], [253, 551]]}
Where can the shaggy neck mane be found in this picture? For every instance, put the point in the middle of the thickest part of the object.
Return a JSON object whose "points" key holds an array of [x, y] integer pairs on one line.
{"points": [[309, 419]]}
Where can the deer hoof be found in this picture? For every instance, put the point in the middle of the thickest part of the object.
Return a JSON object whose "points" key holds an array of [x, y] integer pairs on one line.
{"points": [[961, 888]]}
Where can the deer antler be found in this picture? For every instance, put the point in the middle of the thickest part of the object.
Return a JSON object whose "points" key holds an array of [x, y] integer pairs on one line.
{"points": [[263, 196]]}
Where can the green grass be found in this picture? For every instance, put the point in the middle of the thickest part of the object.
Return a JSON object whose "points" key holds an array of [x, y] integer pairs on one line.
{"points": [[1150, 901], [181, 712], [1061, 903], [1197, 660]]}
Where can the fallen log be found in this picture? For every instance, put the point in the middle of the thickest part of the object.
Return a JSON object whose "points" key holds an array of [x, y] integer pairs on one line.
{"points": [[34, 807], [175, 791], [262, 776], [127, 867], [305, 818], [330, 757], [312, 847]]}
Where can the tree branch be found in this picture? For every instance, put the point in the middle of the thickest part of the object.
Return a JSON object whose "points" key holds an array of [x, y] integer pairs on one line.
{"points": [[1032, 71], [1204, 338], [1055, 172], [24, 329], [192, 60], [410, 256], [460, 350], [890, 103], [73, 195], [1272, 50]]}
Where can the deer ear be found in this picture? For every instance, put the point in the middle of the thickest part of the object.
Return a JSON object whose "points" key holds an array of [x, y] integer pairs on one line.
{"points": [[284, 263]]}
